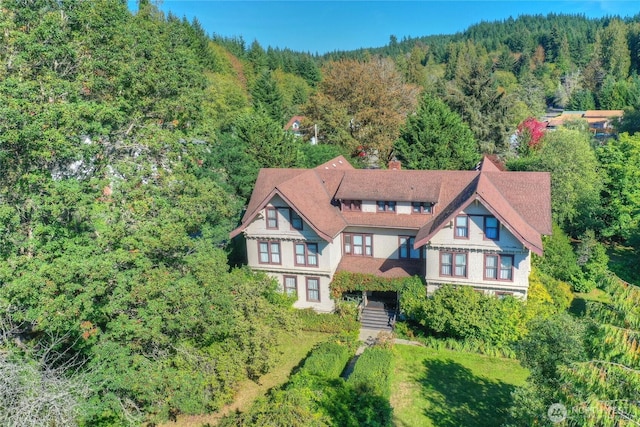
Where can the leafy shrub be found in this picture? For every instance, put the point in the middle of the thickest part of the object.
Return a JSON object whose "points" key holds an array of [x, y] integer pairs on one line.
{"points": [[547, 295], [412, 297], [372, 372], [328, 359], [344, 281], [463, 313], [559, 261], [327, 322], [593, 258], [415, 332]]}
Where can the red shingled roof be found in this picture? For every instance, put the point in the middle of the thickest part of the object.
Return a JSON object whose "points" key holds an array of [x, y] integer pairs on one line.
{"points": [[520, 200], [381, 267]]}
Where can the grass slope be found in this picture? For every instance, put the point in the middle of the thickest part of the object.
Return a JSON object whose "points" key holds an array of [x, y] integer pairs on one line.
{"points": [[445, 388], [293, 349]]}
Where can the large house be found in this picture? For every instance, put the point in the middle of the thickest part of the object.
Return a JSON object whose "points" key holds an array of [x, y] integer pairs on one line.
{"points": [[476, 228]]}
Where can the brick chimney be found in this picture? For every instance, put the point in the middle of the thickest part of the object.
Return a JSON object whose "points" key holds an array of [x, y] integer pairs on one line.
{"points": [[395, 165]]}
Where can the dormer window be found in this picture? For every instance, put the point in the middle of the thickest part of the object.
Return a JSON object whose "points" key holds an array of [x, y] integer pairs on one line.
{"points": [[421, 207], [351, 205], [296, 221], [461, 227], [491, 228], [386, 206], [272, 218]]}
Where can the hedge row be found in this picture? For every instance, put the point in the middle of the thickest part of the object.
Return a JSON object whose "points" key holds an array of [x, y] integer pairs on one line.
{"points": [[331, 323], [373, 372], [328, 359]]}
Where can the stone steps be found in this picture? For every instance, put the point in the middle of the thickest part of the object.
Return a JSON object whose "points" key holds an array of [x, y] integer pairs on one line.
{"points": [[376, 318]]}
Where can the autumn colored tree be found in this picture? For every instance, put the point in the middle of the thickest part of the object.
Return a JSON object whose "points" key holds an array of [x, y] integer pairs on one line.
{"points": [[361, 105], [529, 135]]}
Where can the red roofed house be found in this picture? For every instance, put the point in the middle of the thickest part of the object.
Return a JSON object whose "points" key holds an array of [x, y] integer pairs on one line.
{"points": [[475, 228]]}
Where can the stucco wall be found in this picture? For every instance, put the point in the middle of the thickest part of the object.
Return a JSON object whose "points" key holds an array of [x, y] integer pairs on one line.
{"points": [[385, 240], [329, 254], [476, 247]]}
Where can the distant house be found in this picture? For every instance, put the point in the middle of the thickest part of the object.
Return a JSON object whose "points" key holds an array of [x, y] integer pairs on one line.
{"points": [[294, 126], [599, 121], [473, 228]]}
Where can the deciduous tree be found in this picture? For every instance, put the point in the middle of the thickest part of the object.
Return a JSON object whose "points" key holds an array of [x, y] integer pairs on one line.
{"points": [[361, 105]]}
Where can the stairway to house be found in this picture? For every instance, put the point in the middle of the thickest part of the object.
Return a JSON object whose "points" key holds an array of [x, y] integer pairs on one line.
{"points": [[375, 316]]}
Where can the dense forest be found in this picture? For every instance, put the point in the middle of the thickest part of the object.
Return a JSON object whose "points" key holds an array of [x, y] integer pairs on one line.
{"points": [[130, 142]]}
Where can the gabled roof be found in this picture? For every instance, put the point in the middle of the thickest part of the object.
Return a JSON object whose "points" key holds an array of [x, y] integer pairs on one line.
{"points": [[520, 200], [397, 185], [306, 191], [293, 119]]}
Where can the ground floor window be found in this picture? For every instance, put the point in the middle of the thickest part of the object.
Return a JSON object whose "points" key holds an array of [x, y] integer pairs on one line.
{"points": [[313, 289], [291, 285]]}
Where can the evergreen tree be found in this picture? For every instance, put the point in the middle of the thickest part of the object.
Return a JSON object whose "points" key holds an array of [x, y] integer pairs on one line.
{"points": [[436, 138]]}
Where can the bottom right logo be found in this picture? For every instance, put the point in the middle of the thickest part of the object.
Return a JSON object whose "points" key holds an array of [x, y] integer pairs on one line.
{"points": [[557, 412]]}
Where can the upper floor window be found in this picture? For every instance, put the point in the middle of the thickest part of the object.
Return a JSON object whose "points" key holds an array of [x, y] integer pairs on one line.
{"points": [[269, 252], [406, 250], [295, 219], [272, 218], [386, 206], [453, 264], [358, 244], [307, 254], [351, 205], [291, 285], [491, 228], [420, 207], [461, 227], [498, 267]]}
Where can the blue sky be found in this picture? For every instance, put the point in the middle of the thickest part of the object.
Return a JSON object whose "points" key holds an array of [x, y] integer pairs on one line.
{"points": [[325, 26]]}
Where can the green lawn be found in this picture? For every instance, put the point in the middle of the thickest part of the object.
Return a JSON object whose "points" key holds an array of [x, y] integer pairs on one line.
{"points": [[445, 388], [579, 303]]}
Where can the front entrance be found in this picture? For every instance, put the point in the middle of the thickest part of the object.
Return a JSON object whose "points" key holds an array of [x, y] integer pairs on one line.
{"points": [[385, 299]]}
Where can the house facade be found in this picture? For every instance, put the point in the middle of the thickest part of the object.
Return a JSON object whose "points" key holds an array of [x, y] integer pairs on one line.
{"points": [[475, 228]]}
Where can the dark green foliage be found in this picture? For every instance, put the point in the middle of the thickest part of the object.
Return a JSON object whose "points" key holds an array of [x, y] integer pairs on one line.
{"points": [[472, 92], [372, 371], [267, 97], [436, 138], [550, 343], [619, 161], [582, 100], [559, 260], [328, 359], [318, 154], [252, 141]]}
